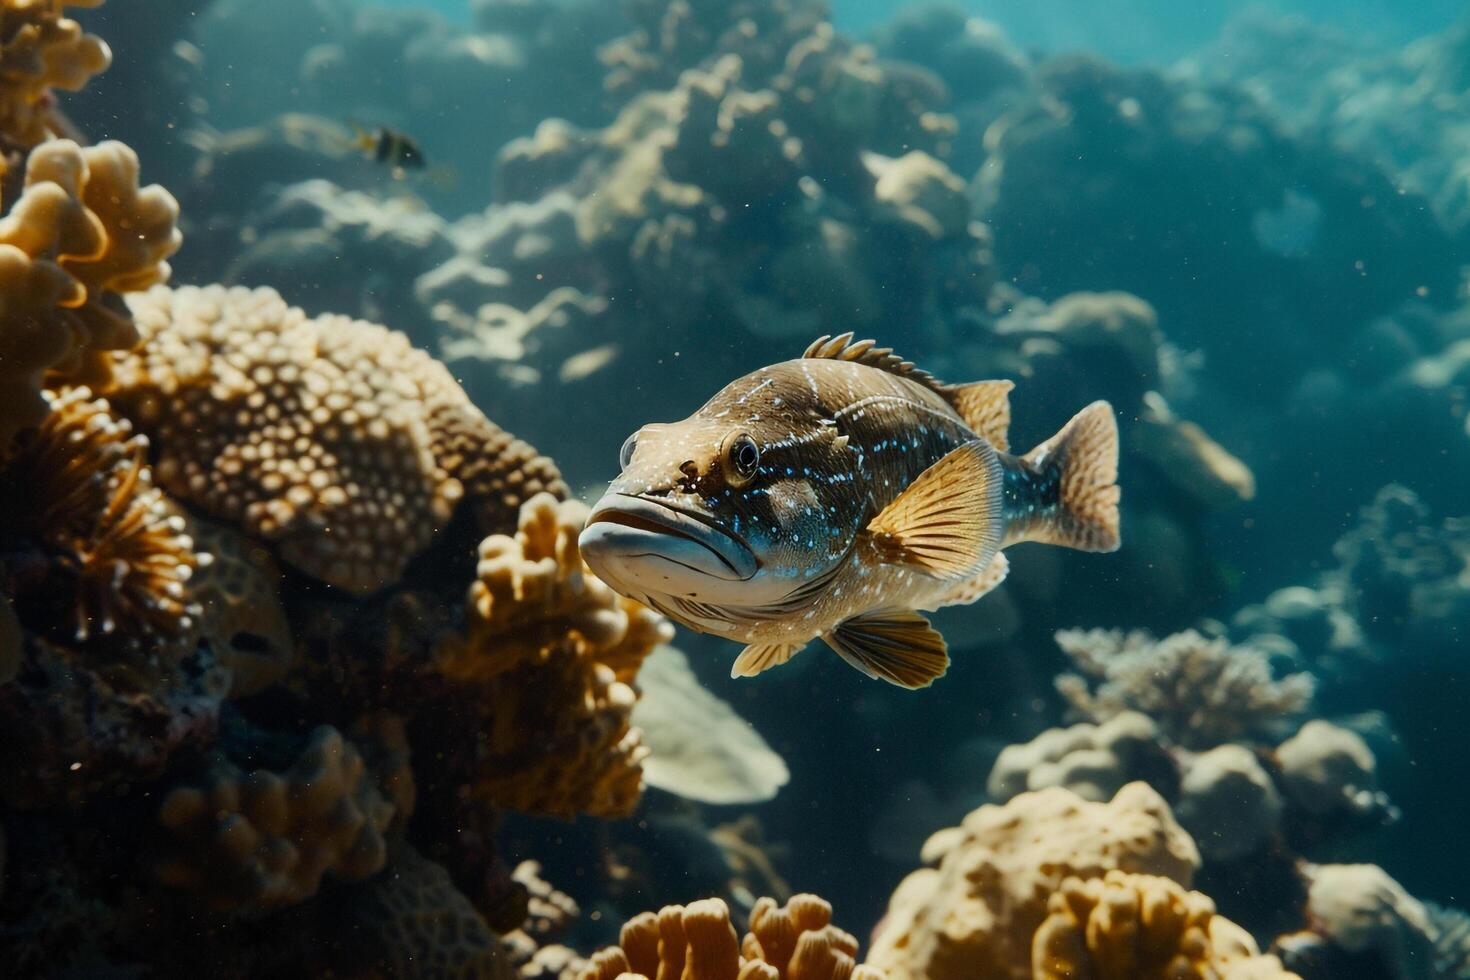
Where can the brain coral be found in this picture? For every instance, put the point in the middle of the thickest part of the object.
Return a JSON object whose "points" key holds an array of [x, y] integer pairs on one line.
{"points": [[556, 651], [41, 49], [411, 923], [331, 438], [975, 914], [697, 942], [81, 230], [1139, 927], [266, 839]]}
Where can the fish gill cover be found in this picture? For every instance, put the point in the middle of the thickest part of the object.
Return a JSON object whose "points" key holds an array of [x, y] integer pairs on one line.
{"points": [[301, 669]]}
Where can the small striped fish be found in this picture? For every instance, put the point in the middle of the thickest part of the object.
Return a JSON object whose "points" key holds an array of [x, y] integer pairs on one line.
{"points": [[836, 496]]}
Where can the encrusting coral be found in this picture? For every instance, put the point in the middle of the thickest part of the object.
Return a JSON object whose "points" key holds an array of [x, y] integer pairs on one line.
{"points": [[1201, 692], [974, 914], [697, 942], [411, 923], [266, 839], [42, 49], [556, 651], [1141, 927], [108, 544], [333, 439], [80, 232]]}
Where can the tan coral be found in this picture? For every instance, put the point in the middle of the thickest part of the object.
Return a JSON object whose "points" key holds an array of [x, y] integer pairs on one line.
{"points": [[557, 651], [81, 231], [1201, 692], [331, 438], [80, 487], [1141, 927], [975, 913], [266, 839], [42, 49], [697, 942]]}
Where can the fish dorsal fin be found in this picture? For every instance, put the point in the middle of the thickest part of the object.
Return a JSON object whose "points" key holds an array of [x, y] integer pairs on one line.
{"points": [[899, 647], [844, 348], [946, 523], [987, 579], [762, 656], [986, 408], [984, 405]]}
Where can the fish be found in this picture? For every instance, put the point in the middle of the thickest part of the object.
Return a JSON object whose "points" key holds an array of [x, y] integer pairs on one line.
{"points": [[839, 496], [388, 146]]}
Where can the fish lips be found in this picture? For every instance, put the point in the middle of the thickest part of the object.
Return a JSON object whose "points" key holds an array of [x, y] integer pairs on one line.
{"points": [[628, 537]]}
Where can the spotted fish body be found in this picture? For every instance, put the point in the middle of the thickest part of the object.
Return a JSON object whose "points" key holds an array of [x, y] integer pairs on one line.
{"points": [[835, 496]]}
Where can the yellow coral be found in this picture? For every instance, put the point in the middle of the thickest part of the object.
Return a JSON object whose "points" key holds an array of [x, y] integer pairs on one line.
{"points": [[697, 942], [1139, 927], [267, 839], [80, 488], [81, 231], [41, 49], [557, 651], [328, 437], [975, 914]]}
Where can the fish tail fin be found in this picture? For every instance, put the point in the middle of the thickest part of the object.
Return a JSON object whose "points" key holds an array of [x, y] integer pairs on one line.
{"points": [[1083, 459]]}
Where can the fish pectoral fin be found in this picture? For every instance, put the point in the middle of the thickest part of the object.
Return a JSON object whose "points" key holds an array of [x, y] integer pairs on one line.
{"points": [[759, 657], [988, 578], [986, 408], [898, 646], [947, 522]]}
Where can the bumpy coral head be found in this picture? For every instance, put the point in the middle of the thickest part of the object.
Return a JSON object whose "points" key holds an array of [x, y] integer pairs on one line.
{"points": [[747, 503]]}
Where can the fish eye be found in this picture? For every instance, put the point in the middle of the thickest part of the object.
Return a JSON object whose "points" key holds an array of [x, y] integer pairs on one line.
{"points": [[625, 455], [744, 457]]}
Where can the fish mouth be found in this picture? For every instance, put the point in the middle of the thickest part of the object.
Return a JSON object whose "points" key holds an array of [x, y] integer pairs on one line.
{"points": [[624, 528]]}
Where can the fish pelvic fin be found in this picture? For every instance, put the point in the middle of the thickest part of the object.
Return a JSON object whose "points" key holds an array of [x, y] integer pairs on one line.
{"points": [[948, 522], [897, 646], [986, 408], [971, 589], [1083, 457], [760, 657]]}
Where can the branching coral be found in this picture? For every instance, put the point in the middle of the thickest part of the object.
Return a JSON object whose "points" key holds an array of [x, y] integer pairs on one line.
{"points": [[81, 231], [557, 652], [79, 491], [42, 49], [975, 914], [697, 942], [1201, 692], [331, 438], [1139, 927], [267, 839]]}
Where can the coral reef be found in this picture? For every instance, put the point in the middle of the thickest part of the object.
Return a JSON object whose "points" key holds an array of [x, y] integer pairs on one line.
{"points": [[1200, 692], [331, 438], [1361, 923], [555, 651], [1138, 926], [80, 231], [975, 913], [792, 942], [266, 839], [43, 49]]}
